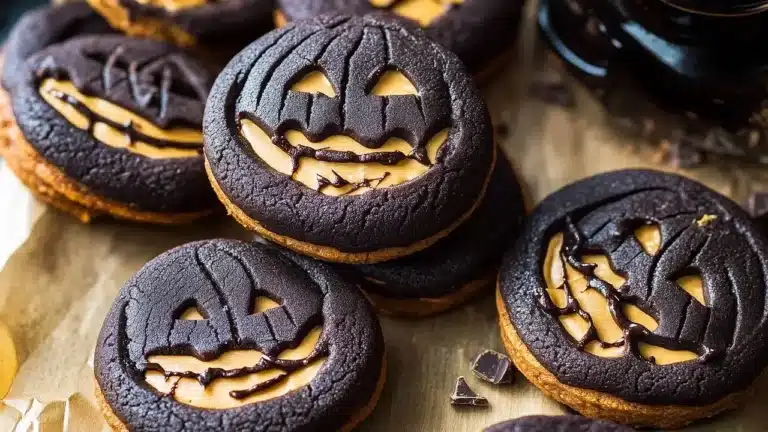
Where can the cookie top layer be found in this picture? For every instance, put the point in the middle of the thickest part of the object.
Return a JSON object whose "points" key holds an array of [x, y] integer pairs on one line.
{"points": [[470, 253], [43, 27], [478, 31], [354, 133], [568, 423], [643, 275], [122, 117], [278, 341], [207, 21]]}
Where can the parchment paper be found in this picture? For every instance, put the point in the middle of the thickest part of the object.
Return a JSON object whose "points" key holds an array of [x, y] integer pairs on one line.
{"points": [[56, 289]]}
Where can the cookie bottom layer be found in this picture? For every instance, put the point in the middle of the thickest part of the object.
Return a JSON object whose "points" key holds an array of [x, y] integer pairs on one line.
{"points": [[117, 425], [594, 404], [331, 254], [424, 307], [50, 185], [150, 28]]}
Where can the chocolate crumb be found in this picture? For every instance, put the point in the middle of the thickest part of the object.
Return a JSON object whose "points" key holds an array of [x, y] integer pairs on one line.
{"points": [[494, 367], [553, 92], [463, 395]]}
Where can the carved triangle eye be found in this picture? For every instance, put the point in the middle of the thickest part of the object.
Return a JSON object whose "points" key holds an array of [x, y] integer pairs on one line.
{"points": [[649, 237], [314, 82], [693, 284], [192, 313], [262, 304], [393, 83]]}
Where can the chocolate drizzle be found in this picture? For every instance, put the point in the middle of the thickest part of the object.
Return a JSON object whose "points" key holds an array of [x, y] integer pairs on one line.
{"points": [[339, 181], [633, 333], [265, 363], [128, 129], [296, 152]]}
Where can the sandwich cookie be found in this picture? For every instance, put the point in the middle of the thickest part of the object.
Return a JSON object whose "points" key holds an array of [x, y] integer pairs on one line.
{"points": [[480, 32], [111, 125], [43, 27], [637, 297], [226, 335], [458, 267], [542, 423], [189, 22], [349, 139]]}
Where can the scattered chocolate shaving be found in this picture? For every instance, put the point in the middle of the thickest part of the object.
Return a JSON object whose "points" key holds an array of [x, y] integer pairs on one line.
{"points": [[494, 367], [463, 395], [554, 92]]}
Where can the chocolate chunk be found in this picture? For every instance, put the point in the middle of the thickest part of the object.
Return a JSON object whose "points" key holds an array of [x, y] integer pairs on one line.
{"points": [[463, 395], [494, 367]]}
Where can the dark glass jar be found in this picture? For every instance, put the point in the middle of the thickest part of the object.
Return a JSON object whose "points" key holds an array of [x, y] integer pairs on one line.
{"points": [[704, 60]]}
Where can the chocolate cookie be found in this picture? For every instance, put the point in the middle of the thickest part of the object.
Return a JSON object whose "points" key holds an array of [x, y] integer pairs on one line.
{"points": [[456, 268], [226, 335], [350, 139], [638, 297], [43, 27], [542, 423], [189, 22], [480, 32], [111, 125]]}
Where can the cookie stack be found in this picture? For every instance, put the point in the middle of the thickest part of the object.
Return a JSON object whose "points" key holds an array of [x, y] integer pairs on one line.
{"points": [[352, 140], [381, 149], [359, 147]]}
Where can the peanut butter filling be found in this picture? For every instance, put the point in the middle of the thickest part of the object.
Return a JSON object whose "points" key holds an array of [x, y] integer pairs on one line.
{"points": [[358, 177], [222, 392], [596, 306], [314, 82], [173, 5], [422, 11], [101, 118]]}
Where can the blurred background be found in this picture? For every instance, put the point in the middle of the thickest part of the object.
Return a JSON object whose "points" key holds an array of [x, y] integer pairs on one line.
{"points": [[10, 10]]}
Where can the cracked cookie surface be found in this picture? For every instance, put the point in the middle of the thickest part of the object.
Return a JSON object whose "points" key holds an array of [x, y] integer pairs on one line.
{"points": [[351, 139], [189, 23], [637, 296], [230, 335], [42, 27], [456, 268], [541, 423], [120, 118], [478, 31]]}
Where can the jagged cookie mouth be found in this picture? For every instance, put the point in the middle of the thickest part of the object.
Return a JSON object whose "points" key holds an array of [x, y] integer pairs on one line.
{"points": [[236, 377], [339, 164], [117, 127]]}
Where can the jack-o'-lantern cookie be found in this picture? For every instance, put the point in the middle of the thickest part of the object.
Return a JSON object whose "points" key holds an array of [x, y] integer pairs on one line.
{"points": [[111, 125], [43, 27], [638, 297], [188, 22], [480, 32], [350, 139], [226, 335], [572, 423], [458, 267]]}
